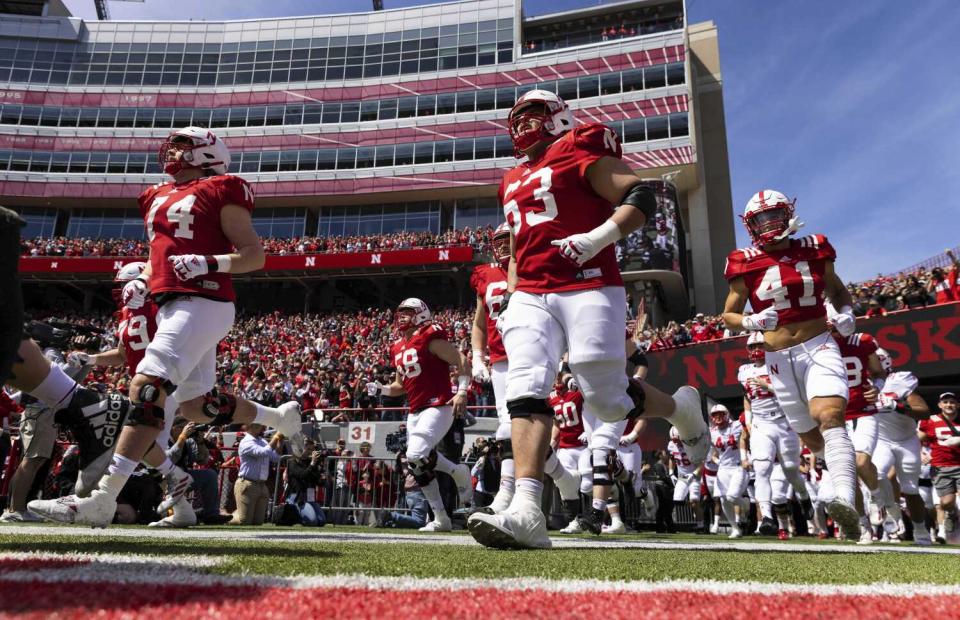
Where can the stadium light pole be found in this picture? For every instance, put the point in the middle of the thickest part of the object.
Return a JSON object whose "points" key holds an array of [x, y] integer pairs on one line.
{"points": [[103, 12]]}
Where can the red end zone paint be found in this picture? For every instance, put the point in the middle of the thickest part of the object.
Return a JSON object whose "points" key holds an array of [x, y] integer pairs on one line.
{"points": [[43, 600], [12, 564]]}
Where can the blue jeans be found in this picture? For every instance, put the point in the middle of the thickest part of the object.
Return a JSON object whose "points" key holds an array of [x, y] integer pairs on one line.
{"points": [[418, 506], [205, 484]]}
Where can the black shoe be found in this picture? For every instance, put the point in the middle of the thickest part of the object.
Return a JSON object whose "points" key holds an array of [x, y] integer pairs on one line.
{"points": [[592, 521], [571, 509], [807, 506], [217, 519], [768, 527], [702, 529], [472, 510]]}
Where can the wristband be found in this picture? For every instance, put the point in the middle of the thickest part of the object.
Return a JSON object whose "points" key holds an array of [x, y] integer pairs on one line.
{"points": [[463, 383], [219, 263], [605, 234]]}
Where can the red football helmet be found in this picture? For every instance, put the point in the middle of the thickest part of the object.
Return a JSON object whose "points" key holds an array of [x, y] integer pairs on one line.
{"points": [[537, 116], [501, 244], [197, 148], [755, 347], [770, 217], [719, 416], [411, 313]]}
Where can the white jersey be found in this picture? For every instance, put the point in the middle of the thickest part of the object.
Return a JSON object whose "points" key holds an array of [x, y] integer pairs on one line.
{"points": [[679, 456], [763, 403], [726, 441], [896, 427]]}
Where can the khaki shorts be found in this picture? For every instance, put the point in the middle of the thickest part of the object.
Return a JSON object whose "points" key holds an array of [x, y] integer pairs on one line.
{"points": [[38, 434], [947, 480]]}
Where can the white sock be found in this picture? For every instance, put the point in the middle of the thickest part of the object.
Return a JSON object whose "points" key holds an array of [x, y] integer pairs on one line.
{"points": [[56, 388], [432, 493], [839, 456], [567, 484], [796, 481], [165, 467], [614, 511], [118, 472], [766, 509], [444, 464], [529, 491], [598, 504], [716, 518], [267, 416], [783, 521], [507, 484]]}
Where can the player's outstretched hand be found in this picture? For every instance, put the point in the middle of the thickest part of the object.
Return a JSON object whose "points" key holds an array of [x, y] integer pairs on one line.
{"points": [[189, 266], [481, 374]]}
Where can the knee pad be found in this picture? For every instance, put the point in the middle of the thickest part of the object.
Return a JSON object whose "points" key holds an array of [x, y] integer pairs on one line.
{"points": [[526, 407], [423, 468], [601, 468], [506, 448], [219, 408], [146, 412], [604, 387], [782, 509]]}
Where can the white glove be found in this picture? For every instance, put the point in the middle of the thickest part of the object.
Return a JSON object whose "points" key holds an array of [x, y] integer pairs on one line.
{"points": [[572, 384], [690, 478], [581, 247], [626, 440], [950, 442], [481, 374], [761, 321], [887, 401], [78, 359], [189, 266], [584, 438], [844, 321], [134, 294]]}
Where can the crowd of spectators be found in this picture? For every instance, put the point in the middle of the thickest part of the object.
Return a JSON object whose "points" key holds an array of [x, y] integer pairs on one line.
{"points": [[916, 288], [479, 239]]}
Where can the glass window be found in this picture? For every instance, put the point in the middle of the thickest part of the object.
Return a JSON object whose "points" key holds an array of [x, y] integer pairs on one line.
{"points": [[69, 117], [654, 77], [446, 103], [426, 105], [350, 112], [675, 74], [406, 107], [308, 160], [368, 110], [567, 89], [219, 117], [10, 115], [466, 100], [78, 162], [126, 117], [60, 162], [506, 97], [251, 162], [403, 155], [117, 164], [633, 130], [326, 159], [293, 115], [463, 150], [288, 161], [274, 115], [346, 158], [483, 148], [331, 113], [589, 86], [384, 156], [136, 163], [486, 99], [312, 113], [609, 83], [503, 146], [31, 115], [50, 116], [657, 128], [40, 162], [269, 161], [98, 163], [679, 125], [632, 80], [254, 116], [423, 153], [443, 151], [365, 157], [388, 109]]}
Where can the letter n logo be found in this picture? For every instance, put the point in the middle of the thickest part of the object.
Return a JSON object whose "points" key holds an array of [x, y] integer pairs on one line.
{"points": [[374, 259]]}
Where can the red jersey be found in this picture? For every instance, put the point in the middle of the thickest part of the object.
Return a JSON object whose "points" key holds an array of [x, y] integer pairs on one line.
{"points": [[567, 411], [135, 331], [946, 289], [856, 350], [490, 283], [704, 332], [551, 199], [791, 280], [425, 377], [185, 219], [936, 428]]}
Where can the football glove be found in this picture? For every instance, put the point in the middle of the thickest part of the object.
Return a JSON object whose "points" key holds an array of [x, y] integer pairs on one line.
{"points": [[189, 266], [581, 247], [583, 438], [134, 294], [481, 374], [761, 321], [844, 321]]}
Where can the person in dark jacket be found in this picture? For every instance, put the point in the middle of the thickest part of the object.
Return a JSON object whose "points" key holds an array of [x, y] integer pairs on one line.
{"points": [[304, 478], [663, 486]]}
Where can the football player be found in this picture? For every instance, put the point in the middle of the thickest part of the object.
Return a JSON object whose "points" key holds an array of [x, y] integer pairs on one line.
{"points": [[567, 202], [135, 329], [899, 407], [731, 474], [786, 281], [770, 437], [859, 352], [423, 356], [687, 487], [200, 232], [490, 284], [941, 430], [569, 442]]}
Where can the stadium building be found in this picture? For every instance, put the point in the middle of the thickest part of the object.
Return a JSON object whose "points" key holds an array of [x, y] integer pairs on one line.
{"points": [[362, 124]]}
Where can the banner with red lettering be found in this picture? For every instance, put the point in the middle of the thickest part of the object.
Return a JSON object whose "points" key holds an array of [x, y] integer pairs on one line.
{"points": [[925, 341], [290, 262]]}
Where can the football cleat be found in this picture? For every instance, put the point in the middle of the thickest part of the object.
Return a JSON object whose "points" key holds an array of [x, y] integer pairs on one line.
{"points": [[768, 527], [572, 528], [866, 537], [783, 535], [461, 477], [182, 515], [714, 528], [735, 532], [519, 527], [291, 426], [592, 521], [616, 527], [846, 516], [97, 510], [178, 481], [469, 511], [921, 537], [806, 504], [440, 523], [19, 516]]}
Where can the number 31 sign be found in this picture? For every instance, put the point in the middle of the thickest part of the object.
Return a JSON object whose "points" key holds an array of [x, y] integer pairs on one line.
{"points": [[361, 431]]}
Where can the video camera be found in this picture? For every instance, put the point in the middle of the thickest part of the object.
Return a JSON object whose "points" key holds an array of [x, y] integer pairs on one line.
{"points": [[62, 335], [397, 441]]}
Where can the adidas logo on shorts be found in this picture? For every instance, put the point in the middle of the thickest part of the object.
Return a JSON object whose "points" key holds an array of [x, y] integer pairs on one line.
{"points": [[106, 424]]}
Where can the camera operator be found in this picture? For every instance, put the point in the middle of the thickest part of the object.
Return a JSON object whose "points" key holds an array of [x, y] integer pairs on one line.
{"points": [[413, 498], [304, 475], [191, 452], [486, 470]]}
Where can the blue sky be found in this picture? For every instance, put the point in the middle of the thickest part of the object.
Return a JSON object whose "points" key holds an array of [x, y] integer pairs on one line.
{"points": [[852, 107]]}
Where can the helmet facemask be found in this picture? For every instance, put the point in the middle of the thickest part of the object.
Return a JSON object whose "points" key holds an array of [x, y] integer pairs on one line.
{"points": [[501, 245]]}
